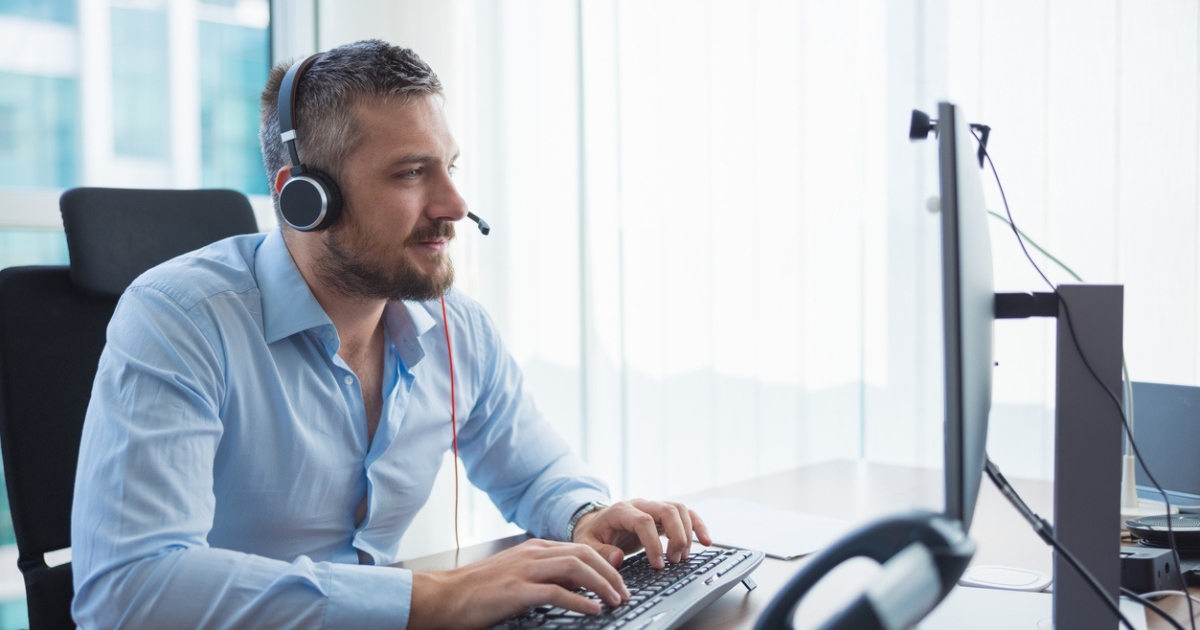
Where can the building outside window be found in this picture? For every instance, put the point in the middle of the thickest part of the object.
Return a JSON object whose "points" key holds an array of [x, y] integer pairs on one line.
{"points": [[119, 93]]}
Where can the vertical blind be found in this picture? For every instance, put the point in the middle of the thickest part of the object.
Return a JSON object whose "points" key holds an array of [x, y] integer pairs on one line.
{"points": [[712, 255]]}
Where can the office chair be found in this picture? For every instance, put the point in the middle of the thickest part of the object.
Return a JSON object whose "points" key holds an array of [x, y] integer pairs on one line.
{"points": [[52, 330]]}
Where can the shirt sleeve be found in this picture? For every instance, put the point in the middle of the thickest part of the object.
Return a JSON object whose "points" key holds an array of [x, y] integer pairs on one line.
{"points": [[511, 451], [144, 499]]}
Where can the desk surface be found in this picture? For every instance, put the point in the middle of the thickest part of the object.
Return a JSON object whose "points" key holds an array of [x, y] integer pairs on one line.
{"points": [[856, 491]]}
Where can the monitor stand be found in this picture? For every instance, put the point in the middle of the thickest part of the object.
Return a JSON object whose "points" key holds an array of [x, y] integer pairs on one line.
{"points": [[1087, 444]]}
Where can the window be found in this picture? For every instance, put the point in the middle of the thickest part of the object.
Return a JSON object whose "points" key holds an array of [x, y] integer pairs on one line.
{"points": [[137, 93], [230, 84], [141, 84], [39, 84]]}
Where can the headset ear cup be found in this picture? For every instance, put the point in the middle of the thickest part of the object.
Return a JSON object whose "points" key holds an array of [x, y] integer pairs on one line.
{"points": [[333, 196], [310, 201]]}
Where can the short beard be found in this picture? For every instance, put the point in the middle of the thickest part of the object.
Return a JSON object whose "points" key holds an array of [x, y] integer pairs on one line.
{"points": [[346, 268]]}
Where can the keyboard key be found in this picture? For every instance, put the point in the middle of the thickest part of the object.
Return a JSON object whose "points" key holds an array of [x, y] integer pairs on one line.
{"points": [[729, 567]]}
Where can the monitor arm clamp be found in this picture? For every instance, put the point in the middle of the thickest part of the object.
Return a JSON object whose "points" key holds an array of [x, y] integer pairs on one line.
{"points": [[923, 554]]}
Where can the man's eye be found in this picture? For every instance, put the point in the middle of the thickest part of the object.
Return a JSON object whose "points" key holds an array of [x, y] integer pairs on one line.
{"points": [[452, 170], [409, 174]]}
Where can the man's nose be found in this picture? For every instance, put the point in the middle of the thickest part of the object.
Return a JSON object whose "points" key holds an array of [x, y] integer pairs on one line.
{"points": [[448, 204]]}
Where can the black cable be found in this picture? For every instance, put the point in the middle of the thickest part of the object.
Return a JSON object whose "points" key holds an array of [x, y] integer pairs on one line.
{"points": [[1046, 533], [1149, 604], [1112, 395]]}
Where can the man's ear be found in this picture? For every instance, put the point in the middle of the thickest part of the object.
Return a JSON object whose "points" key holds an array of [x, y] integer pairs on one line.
{"points": [[281, 178]]}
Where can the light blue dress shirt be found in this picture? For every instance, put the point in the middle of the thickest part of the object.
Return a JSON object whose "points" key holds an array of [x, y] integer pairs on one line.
{"points": [[225, 450]]}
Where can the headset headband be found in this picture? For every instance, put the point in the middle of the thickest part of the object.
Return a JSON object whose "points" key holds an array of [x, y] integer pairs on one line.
{"points": [[287, 108]]}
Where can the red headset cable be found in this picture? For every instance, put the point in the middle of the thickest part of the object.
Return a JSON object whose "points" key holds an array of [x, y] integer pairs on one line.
{"points": [[453, 419]]}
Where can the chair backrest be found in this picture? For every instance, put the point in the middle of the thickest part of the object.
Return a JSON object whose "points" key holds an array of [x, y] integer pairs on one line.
{"points": [[115, 234], [52, 331]]}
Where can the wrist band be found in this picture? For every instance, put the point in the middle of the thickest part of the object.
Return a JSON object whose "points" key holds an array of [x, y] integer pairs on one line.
{"points": [[585, 509]]}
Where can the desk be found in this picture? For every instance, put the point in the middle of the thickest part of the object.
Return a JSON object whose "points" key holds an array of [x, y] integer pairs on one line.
{"points": [[859, 492]]}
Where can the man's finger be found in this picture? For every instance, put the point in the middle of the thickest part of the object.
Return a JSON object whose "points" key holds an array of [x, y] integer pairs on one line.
{"points": [[573, 571], [700, 528], [543, 550], [555, 595], [613, 554], [642, 524], [686, 517], [603, 564], [667, 517]]}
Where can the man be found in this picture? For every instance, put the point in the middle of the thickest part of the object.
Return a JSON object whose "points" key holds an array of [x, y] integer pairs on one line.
{"points": [[271, 411]]}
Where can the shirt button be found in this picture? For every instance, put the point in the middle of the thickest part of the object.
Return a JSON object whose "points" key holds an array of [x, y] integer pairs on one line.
{"points": [[349, 380], [329, 335]]}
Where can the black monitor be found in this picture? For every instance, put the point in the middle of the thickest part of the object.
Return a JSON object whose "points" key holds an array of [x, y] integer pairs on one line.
{"points": [[923, 554], [1167, 428], [968, 304]]}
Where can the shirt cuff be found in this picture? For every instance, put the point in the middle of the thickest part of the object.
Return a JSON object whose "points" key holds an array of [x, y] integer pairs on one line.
{"points": [[367, 596], [564, 507]]}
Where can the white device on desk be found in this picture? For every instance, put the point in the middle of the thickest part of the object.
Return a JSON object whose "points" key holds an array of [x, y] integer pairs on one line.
{"points": [[1005, 578]]}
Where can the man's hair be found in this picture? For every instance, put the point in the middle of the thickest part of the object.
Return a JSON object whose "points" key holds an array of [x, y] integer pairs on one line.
{"points": [[327, 130]]}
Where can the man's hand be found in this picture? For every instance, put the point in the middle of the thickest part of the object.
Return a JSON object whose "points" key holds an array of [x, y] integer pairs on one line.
{"points": [[628, 526], [533, 573]]}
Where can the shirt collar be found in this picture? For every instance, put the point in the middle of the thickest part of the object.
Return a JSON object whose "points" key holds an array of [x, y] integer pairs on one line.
{"points": [[407, 322], [288, 304]]}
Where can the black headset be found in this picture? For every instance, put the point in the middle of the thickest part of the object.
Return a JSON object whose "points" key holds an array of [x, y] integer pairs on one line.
{"points": [[924, 551], [310, 200]]}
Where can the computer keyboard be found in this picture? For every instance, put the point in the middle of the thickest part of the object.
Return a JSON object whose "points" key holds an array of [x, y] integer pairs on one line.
{"points": [[660, 599]]}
